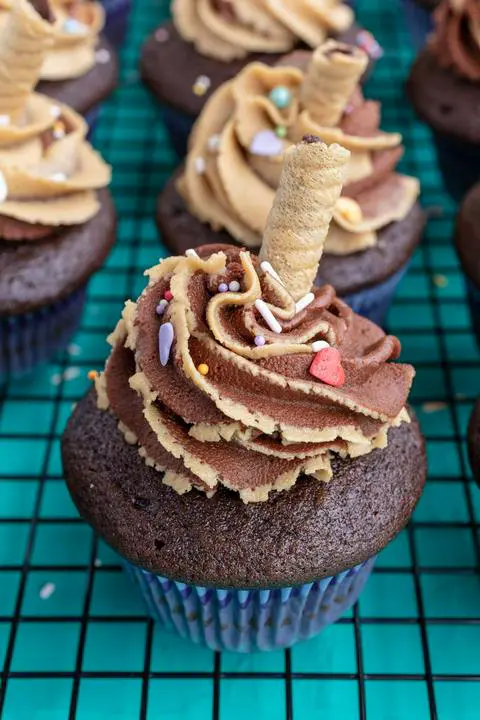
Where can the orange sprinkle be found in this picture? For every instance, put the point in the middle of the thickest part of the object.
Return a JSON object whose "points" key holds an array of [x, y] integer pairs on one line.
{"points": [[92, 374], [203, 369]]}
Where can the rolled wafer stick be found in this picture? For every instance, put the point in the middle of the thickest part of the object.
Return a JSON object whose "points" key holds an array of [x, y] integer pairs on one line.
{"points": [[23, 42], [331, 78], [297, 226]]}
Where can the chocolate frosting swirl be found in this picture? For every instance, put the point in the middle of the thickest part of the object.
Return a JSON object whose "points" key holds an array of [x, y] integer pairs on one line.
{"points": [[225, 409], [230, 29], [238, 145], [456, 40]]}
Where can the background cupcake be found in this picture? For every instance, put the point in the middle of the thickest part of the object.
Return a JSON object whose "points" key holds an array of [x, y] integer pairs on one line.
{"points": [[80, 67], [444, 87], [235, 158], [57, 221], [230, 383], [467, 241], [185, 60], [418, 16]]}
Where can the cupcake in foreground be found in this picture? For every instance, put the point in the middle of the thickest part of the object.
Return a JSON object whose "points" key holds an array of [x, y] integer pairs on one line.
{"points": [[473, 442], [467, 241], [248, 449], [57, 221], [209, 42], [444, 87], [226, 190], [80, 67]]}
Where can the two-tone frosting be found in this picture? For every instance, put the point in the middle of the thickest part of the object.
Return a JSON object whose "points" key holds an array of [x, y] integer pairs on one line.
{"points": [[456, 40], [236, 150], [49, 173], [230, 29], [76, 29]]}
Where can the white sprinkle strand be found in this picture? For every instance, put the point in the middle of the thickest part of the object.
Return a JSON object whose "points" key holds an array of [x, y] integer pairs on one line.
{"points": [[47, 591], [102, 56], [268, 316], [304, 302], [72, 26], [200, 165], [191, 253], [55, 111], [58, 177], [319, 345], [4, 120], [267, 268], [3, 188]]}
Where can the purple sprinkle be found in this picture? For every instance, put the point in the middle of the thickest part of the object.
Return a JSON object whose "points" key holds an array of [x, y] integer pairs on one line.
{"points": [[259, 340], [165, 341], [223, 287], [161, 307]]}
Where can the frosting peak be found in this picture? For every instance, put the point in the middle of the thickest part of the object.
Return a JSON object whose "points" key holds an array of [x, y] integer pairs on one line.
{"points": [[456, 41], [230, 29]]}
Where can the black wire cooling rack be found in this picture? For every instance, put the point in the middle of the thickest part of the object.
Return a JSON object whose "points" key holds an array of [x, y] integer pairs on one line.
{"points": [[74, 638]]}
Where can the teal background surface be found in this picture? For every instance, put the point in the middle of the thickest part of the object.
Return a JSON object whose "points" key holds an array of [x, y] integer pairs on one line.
{"points": [[408, 651]]}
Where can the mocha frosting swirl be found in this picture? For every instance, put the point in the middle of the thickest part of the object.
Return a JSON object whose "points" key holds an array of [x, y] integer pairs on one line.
{"points": [[456, 40], [225, 410], [75, 34], [49, 173], [231, 29], [236, 150]]}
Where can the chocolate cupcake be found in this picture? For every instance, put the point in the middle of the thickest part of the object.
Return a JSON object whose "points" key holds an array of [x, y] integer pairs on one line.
{"points": [[473, 441], [57, 221], [248, 450], [80, 67], [209, 42], [444, 87], [235, 157], [467, 241]]}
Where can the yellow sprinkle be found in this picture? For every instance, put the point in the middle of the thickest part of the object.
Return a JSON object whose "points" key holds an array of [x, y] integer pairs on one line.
{"points": [[92, 374], [440, 281], [349, 209], [203, 369], [199, 89]]}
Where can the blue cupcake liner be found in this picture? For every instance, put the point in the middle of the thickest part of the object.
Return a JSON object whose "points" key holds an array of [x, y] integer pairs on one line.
{"points": [[92, 118], [473, 297], [459, 164], [33, 338], [419, 22], [116, 25], [250, 620], [374, 303], [179, 126]]}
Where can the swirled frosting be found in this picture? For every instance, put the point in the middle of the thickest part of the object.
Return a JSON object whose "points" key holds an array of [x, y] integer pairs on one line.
{"points": [[456, 40], [236, 150], [49, 173], [77, 26], [216, 406], [229, 29]]}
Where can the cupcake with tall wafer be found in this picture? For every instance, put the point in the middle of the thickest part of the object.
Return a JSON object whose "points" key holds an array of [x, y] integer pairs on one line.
{"points": [[227, 186], [248, 448], [80, 66], [57, 220], [208, 42], [444, 88]]}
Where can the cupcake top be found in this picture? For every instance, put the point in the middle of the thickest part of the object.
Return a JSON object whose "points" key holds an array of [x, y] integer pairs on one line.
{"points": [[230, 370], [237, 148], [456, 40], [231, 29], [49, 174], [77, 25]]}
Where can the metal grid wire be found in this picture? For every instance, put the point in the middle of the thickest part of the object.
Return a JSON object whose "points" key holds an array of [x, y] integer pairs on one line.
{"points": [[74, 639]]}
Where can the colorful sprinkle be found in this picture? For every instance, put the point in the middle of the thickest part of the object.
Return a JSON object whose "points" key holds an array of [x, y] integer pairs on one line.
{"points": [[161, 307], [281, 97], [103, 56], [3, 188], [200, 165], [281, 131], [58, 177], [223, 287], [165, 342], [55, 111], [4, 120], [268, 316], [213, 143], [327, 367], [367, 42], [201, 85], [92, 374], [304, 302], [191, 253], [59, 130], [162, 35], [266, 144], [319, 345], [72, 26], [203, 369], [234, 286], [259, 340], [267, 268], [168, 295]]}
